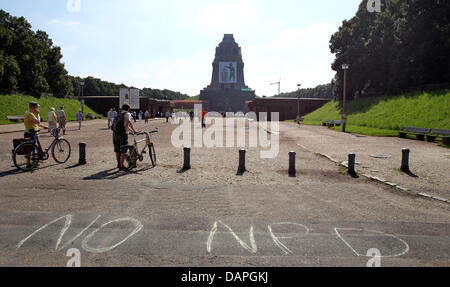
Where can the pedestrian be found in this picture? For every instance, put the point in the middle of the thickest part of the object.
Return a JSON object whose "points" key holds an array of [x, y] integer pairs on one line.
{"points": [[121, 128], [111, 117], [79, 118], [62, 119], [134, 116], [140, 115], [173, 117], [52, 120], [167, 116], [191, 116], [203, 115], [147, 116]]}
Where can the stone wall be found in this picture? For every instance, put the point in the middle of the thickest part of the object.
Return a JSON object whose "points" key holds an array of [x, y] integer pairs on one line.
{"points": [[101, 105], [286, 107]]}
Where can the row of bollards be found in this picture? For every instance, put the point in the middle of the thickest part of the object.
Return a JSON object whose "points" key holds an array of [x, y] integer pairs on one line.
{"points": [[404, 167], [292, 158], [242, 154]]}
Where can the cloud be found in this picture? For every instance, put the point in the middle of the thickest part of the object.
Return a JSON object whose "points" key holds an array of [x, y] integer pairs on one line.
{"points": [[228, 15], [296, 55], [70, 24]]}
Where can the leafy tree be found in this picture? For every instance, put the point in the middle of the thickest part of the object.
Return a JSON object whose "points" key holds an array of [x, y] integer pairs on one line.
{"points": [[401, 48], [30, 62]]}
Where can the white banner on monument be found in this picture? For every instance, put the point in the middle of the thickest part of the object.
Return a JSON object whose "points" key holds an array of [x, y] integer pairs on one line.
{"points": [[130, 96], [227, 72]]}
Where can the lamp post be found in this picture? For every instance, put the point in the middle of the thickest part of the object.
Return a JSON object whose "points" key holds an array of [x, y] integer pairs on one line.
{"points": [[82, 95], [345, 67], [298, 102]]}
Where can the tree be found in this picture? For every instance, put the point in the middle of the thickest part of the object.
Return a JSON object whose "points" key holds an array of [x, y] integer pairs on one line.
{"points": [[404, 46], [30, 62]]}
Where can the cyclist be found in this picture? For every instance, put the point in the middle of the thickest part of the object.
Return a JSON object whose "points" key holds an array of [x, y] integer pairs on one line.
{"points": [[122, 125], [32, 122]]}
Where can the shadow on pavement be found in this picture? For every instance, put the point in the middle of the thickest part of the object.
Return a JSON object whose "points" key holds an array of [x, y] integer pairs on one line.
{"points": [[115, 173], [18, 171], [10, 172], [409, 173]]}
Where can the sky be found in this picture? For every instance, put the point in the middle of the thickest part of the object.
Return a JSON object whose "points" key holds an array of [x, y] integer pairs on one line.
{"points": [[171, 44]]}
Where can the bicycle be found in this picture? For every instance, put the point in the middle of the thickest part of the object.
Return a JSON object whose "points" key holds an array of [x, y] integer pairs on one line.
{"points": [[130, 155], [26, 156]]}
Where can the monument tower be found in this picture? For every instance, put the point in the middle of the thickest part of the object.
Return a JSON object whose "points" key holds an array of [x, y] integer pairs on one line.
{"points": [[227, 91]]}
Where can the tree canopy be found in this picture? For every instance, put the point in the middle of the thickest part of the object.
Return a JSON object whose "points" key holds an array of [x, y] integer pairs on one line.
{"points": [[29, 62], [404, 46], [321, 91]]}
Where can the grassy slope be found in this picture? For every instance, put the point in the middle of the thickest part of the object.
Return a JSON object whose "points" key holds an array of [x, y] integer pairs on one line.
{"points": [[16, 105], [384, 116]]}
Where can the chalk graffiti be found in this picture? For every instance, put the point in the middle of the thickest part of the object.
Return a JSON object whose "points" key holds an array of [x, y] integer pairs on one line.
{"points": [[282, 246], [68, 221], [406, 250], [251, 249], [278, 233], [276, 239]]}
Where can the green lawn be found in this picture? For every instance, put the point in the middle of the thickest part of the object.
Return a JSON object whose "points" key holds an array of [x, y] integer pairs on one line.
{"points": [[17, 105], [183, 110], [385, 116]]}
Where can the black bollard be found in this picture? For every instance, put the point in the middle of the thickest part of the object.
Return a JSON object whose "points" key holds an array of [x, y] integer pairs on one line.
{"points": [[292, 170], [187, 158], [405, 160], [241, 169], [351, 163], [82, 160]]}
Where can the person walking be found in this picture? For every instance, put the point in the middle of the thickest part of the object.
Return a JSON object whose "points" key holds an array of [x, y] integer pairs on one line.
{"points": [[79, 118], [111, 117], [122, 126], [167, 116], [62, 119], [147, 116], [203, 115], [52, 120], [173, 117]]}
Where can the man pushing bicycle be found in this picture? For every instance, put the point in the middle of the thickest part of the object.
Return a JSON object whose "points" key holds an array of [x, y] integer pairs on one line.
{"points": [[121, 127]]}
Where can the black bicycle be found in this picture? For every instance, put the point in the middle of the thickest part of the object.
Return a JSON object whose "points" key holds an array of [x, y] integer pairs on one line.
{"points": [[26, 155], [130, 155]]}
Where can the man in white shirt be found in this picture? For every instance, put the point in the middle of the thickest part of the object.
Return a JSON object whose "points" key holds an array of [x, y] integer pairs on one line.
{"points": [[62, 120], [111, 117], [52, 120]]}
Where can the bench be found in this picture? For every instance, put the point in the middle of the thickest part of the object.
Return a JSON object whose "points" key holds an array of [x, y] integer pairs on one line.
{"points": [[420, 133], [298, 121], [332, 123], [92, 117], [15, 118], [441, 133]]}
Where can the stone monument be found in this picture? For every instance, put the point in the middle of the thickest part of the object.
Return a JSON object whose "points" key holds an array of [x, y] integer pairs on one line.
{"points": [[227, 91]]}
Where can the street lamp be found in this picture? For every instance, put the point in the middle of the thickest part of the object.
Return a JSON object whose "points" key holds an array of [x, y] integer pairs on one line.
{"points": [[82, 95], [298, 102], [345, 67]]}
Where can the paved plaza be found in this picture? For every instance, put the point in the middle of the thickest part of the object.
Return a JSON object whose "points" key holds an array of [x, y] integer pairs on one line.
{"points": [[209, 216]]}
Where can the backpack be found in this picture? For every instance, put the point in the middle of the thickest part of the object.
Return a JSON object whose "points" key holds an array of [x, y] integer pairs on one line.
{"points": [[24, 150], [118, 125]]}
